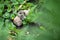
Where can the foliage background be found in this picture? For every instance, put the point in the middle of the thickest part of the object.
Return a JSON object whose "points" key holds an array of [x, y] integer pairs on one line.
{"points": [[44, 12]]}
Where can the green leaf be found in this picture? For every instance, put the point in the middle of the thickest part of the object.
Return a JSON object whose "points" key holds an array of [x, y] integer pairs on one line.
{"points": [[13, 1], [0, 12], [1, 23], [33, 33], [6, 15], [20, 1], [12, 16], [9, 24], [3, 34], [4, 31], [49, 17]]}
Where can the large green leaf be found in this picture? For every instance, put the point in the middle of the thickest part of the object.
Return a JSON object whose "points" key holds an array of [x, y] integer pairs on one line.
{"points": [[3, 30], [33, 32], [49, 17]]}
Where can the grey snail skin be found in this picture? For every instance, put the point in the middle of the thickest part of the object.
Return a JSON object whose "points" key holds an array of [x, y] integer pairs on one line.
{"points": [[21, 15]]}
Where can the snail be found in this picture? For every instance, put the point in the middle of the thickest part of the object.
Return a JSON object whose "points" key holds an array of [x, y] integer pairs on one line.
{"points": [[21, 15]]}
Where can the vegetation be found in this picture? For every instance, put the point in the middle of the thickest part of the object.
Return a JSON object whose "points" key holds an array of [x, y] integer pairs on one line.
{"points": [[42, 23]]}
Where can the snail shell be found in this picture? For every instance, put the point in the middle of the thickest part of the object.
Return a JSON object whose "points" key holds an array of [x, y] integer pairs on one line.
{"points": [[17, 21]]}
